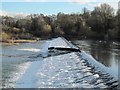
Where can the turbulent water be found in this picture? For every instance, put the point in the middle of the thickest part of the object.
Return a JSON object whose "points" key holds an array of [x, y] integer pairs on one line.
{"points": [[106, 52], [16, 60]]}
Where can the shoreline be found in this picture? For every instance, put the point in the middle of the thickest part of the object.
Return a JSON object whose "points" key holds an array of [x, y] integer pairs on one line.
{"points": [[15, 42]]}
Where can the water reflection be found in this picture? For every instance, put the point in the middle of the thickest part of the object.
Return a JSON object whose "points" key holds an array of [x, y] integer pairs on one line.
{"points": [[106, 52]]}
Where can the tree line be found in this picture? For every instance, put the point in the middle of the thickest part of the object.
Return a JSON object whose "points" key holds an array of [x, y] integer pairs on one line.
{"points": [[101, 23]]}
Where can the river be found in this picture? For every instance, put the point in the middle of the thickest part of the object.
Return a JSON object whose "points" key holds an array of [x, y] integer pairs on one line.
{"points": [[16, 59], [106, 52]]}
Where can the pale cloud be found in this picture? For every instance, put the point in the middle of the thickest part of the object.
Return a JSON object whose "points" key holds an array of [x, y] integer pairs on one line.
{"points": [[111, 2], [36, 0], [28, 0], [74, 1], [114, 5], [13, 14], [81, 1]]}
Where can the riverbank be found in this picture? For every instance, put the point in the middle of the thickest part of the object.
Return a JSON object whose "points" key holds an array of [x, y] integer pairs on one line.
{"points": [[16, 42], [8, 44]]}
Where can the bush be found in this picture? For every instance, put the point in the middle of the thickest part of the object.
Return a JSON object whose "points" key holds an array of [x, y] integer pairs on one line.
{"points": [[113, 33], [5, 37]]}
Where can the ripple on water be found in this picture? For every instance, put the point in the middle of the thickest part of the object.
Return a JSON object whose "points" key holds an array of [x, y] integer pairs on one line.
{"points": [[30, 49]]}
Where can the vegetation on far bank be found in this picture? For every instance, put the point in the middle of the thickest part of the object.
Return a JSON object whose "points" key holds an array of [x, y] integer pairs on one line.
{"points": [[102, 22], [8, 44]]}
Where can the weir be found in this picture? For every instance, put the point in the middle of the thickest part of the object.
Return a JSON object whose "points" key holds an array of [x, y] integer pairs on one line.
{"points": [[66, 66], [103, 72]]}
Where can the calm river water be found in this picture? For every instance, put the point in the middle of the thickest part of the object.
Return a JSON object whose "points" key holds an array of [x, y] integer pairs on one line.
{"points": [[15, 58]]}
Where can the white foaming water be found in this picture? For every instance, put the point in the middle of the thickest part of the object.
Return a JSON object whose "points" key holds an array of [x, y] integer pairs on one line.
{"points": [[30, 49], [67, 70], [59, 42], [15, 76], [20, 66], [29, 79], [98, 64]]}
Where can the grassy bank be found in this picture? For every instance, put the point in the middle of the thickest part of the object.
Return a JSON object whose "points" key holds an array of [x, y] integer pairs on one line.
{"points": [[8, 44], [16, 42], [22, 41]]}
